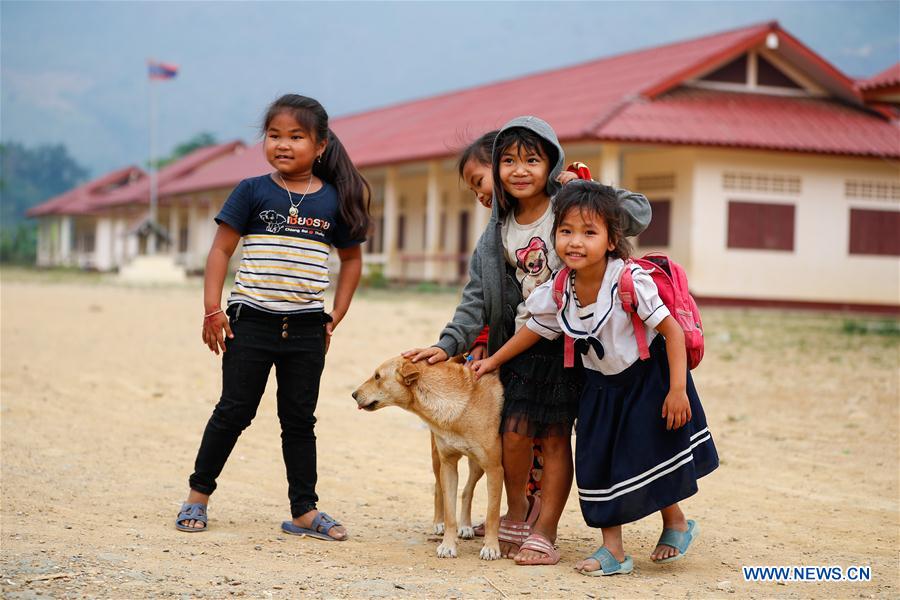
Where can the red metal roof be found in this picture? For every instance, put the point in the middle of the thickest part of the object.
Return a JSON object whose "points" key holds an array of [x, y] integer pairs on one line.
{"points": [[888, 78], [713, 118], [80, 198], [630, 97], [572, 99], [222, 173], [130, 185], [139, 193]]}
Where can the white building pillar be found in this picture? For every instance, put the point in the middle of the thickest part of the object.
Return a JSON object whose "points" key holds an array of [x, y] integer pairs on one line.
{"points": [[44, 237], [610, 165], [209, 231], [132, 240], [432, 221], [197, 258], [103, 244], [391, 214], [119, 241], [65, 240], [174, 229]]}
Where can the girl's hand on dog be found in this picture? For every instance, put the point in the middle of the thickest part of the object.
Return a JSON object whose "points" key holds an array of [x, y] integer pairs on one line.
{"points": [[433, 354], [483, 367], [479, 352]]}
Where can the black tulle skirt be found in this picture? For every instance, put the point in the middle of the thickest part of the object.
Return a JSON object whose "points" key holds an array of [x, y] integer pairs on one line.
{"points": [[540, 396]]}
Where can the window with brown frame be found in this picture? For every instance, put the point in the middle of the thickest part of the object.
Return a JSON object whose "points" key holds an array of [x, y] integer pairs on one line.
{"points": [[657, 232], [874, 232], [760, 226]]}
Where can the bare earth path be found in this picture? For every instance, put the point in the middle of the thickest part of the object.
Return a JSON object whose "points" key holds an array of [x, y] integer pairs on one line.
{"points": [[106, 390]]}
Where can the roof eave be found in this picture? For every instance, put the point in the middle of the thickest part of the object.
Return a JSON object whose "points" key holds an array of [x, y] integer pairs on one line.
{"points": [[745, 146]]}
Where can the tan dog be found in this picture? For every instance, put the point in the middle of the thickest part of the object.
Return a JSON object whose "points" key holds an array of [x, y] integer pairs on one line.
{"points": [[463, 414], [464, 525]]}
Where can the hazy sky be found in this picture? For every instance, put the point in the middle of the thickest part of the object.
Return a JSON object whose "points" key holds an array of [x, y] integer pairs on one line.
{"points": [[74, 72]]}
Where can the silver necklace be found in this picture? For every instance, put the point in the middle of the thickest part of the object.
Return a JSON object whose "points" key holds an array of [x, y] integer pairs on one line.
{"points": [[293, 209]]}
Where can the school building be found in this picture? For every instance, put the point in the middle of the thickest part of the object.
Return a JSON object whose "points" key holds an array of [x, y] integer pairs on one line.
{"points": [[774, 178]]}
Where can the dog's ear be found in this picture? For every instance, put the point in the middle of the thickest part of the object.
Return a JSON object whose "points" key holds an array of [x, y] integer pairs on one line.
{"points": [[459, 359], [409, 373]]}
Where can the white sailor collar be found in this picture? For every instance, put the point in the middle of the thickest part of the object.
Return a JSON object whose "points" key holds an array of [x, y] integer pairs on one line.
{"points": [[607, 297]]}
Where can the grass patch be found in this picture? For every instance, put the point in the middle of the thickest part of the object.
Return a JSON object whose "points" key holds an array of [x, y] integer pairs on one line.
{"points": [[885, 327]]}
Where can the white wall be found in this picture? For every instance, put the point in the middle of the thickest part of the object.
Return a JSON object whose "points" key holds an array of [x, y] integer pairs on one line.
{"points": [[640, 164], [820, 267]]}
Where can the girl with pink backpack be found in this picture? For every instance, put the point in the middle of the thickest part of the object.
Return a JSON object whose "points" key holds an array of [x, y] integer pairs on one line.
{"points": [[642, 439]]}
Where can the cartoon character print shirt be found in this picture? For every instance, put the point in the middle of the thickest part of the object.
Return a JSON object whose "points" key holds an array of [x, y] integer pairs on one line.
{"points": [[284, 257], [529, 248]]}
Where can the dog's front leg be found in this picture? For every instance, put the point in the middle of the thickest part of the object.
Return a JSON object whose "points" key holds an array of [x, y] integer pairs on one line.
{"points": [[449, 482], [438, 521], [491, 548], [466, 531]]}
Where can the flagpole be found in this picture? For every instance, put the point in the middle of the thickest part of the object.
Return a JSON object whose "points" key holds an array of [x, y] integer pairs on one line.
{"points": [[151, 240]]}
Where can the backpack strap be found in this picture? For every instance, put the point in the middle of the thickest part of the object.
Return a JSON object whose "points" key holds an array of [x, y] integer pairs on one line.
{"points": [[629, 304], [559, 285]]}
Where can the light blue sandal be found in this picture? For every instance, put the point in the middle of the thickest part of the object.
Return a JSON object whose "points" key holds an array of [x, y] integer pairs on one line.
{"points": [[609, 565], [191, 512], [680, 540], [319, 528]]}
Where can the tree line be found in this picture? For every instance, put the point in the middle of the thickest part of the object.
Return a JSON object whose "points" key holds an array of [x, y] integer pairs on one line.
{"points": [[32, 175]]}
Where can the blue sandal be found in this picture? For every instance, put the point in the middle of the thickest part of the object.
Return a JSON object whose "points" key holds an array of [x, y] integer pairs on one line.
{"points": [[609, 565], [680, 540], [321, 525], [191, 512]]}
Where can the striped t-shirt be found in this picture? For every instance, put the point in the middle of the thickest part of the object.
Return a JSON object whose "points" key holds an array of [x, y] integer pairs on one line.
{"points": [[283, 265]]}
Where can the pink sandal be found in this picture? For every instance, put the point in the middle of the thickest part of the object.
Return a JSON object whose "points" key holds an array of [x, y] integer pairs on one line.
{"points": [[539, 543], [516, 532]]}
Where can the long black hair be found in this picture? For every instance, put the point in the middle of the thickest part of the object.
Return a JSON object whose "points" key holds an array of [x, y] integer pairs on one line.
{"points": [[335, 166]]}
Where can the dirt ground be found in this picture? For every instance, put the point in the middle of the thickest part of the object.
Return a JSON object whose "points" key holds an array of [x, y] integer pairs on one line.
{"points": [[106, 390]]}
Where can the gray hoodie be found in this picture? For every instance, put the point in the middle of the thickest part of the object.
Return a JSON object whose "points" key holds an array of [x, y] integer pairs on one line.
{"points": [[492, 294]]}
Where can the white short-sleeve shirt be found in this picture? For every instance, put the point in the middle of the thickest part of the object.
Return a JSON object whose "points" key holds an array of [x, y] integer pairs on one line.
{"points": [[603, 320]]}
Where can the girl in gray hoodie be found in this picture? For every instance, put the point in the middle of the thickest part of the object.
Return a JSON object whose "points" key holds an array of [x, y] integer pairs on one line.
{"points": [[514, 255]]}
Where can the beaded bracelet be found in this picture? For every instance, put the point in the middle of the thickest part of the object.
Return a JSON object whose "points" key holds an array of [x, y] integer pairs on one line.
{"points": [[212, 314]]}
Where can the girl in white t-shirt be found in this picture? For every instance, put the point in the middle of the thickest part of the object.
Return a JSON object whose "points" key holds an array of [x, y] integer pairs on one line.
{"points": [[642, 440]]}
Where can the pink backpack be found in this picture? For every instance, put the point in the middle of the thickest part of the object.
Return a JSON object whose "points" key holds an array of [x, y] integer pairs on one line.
{"points": [[671, 281]]}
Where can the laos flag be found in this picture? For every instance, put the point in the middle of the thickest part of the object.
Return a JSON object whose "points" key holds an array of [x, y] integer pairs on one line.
{"points": [[158, 70]]}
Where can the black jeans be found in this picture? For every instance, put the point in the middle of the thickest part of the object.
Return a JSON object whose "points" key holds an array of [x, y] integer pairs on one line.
{"points": [[295, 344]]}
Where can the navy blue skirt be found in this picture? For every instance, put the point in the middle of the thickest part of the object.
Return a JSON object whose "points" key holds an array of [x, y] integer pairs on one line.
{"points": [[627, 464]]}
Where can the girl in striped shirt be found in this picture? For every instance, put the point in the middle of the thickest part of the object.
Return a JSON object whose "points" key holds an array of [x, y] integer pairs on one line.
{"points": [[288, 221]]}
